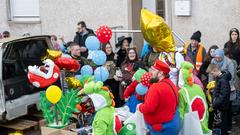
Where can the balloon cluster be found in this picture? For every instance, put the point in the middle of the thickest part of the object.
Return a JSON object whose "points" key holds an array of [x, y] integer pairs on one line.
{"points": [[103, 35], [144, 84]]}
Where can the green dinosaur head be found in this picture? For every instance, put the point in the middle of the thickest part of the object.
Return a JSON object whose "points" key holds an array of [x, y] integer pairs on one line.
{"points": [[85, 79], [186, 73], [100, 95]]}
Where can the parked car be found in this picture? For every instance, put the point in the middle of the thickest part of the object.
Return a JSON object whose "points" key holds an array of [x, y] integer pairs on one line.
{"points": [[16, 93]]}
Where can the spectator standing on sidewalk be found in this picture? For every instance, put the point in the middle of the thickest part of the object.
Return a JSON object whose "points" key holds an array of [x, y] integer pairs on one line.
{"points": [[81, 35]]}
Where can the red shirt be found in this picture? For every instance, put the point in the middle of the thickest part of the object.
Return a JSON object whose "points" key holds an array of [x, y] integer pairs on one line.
{"points": [[160, 102]]}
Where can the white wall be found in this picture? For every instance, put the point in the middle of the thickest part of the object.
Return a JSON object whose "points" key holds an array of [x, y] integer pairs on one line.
{"points": [[150, 5], [214, 18], [60, 17]]}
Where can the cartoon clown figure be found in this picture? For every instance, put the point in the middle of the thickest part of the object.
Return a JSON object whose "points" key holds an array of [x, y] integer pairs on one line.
{"points": [[197, 97]]}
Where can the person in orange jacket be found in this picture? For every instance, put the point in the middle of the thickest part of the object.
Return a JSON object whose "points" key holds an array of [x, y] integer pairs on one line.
{"points": [[195, 51]]}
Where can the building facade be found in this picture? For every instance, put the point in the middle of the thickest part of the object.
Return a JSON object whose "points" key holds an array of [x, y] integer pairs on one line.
{"points": [[213, 18]]}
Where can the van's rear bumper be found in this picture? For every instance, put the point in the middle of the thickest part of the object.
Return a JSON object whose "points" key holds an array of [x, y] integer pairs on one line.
{"points": [[19, 107]]}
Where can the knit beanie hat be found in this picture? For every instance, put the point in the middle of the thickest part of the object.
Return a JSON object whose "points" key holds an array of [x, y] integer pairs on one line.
{"points": [[196, 36], [219, 52]]}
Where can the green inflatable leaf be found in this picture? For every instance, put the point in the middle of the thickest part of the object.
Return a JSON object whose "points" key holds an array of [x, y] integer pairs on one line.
{"points": [[45, 106], [66, 106]]}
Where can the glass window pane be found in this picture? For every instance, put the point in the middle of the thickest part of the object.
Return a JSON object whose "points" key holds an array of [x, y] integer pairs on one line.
{"points": [[161, 8]]}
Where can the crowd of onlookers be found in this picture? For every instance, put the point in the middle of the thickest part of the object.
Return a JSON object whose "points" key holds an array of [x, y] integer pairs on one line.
{"points": [[218, 64]]}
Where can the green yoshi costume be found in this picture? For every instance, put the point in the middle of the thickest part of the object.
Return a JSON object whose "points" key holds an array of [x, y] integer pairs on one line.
{"points": [[196, 94], [105, 121]]}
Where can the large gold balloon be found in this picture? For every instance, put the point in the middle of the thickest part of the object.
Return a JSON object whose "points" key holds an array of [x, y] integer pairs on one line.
{"points": [[156, 32], [72, 82]]}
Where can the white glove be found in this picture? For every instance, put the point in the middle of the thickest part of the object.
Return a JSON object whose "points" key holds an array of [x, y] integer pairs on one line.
{"points": [[137, 108]]}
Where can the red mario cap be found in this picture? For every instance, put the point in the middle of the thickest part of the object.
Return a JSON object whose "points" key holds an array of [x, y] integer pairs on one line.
{"points": [[162, 66]]}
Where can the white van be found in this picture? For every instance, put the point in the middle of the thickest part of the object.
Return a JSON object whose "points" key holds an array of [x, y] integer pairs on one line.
{"points": [[16, 93]]}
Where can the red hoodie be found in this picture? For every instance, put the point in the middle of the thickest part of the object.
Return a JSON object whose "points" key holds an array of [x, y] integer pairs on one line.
{"points": [[160, 103], [130, 90]]}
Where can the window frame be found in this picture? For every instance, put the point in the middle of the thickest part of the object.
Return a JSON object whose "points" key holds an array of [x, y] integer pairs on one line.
{"points": [[21, 19], [161, 10]]}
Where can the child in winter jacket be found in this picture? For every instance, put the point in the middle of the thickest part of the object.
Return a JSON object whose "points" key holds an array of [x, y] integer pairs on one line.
{"points": [[221, 98]]}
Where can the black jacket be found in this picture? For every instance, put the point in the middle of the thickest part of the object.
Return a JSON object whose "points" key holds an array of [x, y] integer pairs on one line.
{"points": [[121, 55], [80, 39], [221, 95]]}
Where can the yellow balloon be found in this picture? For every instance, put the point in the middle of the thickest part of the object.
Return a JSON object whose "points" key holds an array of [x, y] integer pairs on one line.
{"points": [[53, 94], [156, 32], [72, 82]]}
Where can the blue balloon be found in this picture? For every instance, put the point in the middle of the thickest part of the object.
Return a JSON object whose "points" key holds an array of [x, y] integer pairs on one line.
{"points": [[86, 70], [145, 49], [141, 89], [101, 74], [99, 57], [92, 43]]}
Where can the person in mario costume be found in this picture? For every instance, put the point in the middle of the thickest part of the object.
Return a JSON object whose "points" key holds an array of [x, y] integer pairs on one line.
{"points": [[161, 101]]}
